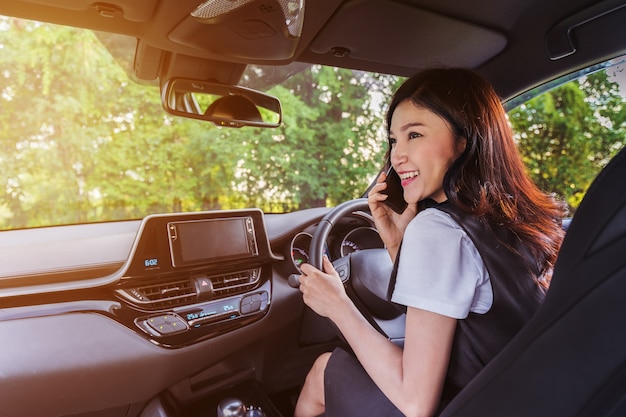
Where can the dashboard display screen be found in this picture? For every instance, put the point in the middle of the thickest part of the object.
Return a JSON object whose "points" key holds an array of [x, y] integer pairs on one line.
{"points": [[201, 241]]}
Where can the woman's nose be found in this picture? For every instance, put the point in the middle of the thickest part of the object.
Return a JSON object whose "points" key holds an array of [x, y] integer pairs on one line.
{"points": [[398, 154]]}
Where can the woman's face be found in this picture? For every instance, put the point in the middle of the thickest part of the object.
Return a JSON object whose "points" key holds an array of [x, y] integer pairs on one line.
{"points": [[423, 147]]}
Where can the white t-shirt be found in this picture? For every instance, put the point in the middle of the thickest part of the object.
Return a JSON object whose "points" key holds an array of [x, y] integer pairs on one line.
{"points": [[440, 269]]}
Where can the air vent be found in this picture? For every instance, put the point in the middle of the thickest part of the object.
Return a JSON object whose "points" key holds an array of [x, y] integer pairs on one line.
{"points": [[178, 292], [235, 283], [163, 295]]}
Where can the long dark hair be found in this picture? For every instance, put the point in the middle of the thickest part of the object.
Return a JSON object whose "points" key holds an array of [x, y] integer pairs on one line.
{"points": [[489, 178]]}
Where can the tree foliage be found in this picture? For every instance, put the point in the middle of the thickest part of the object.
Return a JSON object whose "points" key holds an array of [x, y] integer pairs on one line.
{"points": [[82, 142], [569, 133]]}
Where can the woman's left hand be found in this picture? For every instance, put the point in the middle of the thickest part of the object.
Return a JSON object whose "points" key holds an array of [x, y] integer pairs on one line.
{"points": [[323, 292]]}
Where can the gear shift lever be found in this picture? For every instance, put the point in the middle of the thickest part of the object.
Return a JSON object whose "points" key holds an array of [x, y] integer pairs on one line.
{"points": [[231, 407]]}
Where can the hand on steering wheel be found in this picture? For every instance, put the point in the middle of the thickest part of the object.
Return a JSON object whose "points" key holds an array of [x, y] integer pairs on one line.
{"points": [[323, 291], [365, 273], [318, 243]]}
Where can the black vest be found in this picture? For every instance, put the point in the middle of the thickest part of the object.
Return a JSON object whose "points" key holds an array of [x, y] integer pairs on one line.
{"points": [[516, 297]]}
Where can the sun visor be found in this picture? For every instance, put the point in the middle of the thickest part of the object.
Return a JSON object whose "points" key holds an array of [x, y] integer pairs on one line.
{"points": [[135, 11], [412, 38]]}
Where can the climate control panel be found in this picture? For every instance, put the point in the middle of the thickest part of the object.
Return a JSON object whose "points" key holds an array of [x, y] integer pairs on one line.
{"points": [[199, 316]]}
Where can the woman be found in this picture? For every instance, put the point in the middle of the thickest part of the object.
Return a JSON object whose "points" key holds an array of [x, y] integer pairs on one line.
{"points": [[473, 266]]}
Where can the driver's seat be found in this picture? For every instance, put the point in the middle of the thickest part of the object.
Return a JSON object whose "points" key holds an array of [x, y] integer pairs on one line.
{"points": [[570, 359]]}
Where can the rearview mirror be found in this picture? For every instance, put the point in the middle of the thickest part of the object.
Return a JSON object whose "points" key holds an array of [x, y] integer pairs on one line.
{"points": [[224, 105]]}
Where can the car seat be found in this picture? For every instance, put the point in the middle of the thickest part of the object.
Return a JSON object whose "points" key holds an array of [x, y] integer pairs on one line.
{"points": [[570, 358]]}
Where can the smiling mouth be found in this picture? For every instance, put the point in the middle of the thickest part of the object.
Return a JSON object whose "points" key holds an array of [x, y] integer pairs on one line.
{"points": [[408, 175]]}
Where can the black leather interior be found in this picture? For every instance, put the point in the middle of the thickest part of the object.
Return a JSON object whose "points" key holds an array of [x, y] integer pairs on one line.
{"points": [[571, 356]]}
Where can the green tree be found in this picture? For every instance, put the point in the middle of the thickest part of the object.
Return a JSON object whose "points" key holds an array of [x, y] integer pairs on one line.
{"points": [[605, 98], [329, 145], [82, 142], [48, 134], [568, 134]]}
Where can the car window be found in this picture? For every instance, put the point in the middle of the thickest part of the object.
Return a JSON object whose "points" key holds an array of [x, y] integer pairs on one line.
{"points": [[568, 130], [83, 141]]}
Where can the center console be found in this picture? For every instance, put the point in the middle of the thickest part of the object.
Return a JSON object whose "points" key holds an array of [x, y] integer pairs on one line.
{"points": [[246, 399]]}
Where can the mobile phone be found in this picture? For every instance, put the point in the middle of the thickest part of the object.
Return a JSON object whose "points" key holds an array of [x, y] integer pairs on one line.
{"points": [[395, 192]]}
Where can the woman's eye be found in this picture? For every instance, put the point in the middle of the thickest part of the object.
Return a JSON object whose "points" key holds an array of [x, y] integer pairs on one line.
{"points": [[392, 141], [414, 135]]}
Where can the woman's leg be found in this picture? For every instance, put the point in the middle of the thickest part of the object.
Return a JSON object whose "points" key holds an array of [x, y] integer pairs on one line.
{"points": [[311, 400], [338, 386], [350, 392]]}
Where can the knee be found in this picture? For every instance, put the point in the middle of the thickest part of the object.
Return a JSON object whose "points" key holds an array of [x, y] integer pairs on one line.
{"points": [[315, 378], [311, 400], [322, 361], [319, 367]]}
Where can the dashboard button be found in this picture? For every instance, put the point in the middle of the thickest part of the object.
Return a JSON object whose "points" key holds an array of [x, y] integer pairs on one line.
{"points": [[254, 302], [204, 285], [167, 324]]}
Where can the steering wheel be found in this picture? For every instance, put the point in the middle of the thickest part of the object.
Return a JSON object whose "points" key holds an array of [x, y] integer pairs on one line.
{"points": [[366, 273]]}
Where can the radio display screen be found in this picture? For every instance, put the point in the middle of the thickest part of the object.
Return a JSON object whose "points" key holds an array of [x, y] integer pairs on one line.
{"points": [[201, 241]]}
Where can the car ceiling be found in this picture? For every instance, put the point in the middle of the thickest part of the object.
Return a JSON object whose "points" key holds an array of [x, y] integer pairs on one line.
{"points": [[515, 44]]}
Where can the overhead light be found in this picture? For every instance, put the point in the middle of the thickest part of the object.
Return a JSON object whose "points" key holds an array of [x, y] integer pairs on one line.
{"points": [[293, 11]]}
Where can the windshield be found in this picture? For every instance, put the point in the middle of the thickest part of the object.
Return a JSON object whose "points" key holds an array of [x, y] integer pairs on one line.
{"points": [[83, 141]]}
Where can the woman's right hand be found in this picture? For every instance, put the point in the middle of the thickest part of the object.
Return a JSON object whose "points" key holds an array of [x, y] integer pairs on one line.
{"points": [[390, 224]]}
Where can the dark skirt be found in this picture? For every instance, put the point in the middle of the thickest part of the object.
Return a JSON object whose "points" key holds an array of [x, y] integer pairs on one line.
{"points": [[349, 391]]}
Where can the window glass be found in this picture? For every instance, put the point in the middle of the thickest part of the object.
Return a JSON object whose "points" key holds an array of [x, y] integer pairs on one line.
{"points": [[570, 128]]}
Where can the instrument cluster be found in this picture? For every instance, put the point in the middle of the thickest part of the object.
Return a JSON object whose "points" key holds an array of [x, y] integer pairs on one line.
{"points": [[339, 244]]}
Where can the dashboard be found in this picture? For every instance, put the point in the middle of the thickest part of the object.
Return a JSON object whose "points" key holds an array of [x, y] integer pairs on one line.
{"points": [[178, 278], [202, 297]]}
